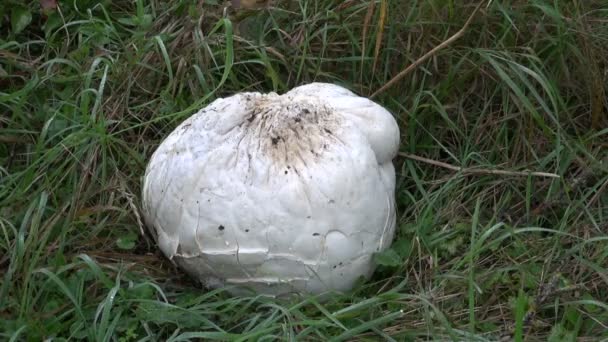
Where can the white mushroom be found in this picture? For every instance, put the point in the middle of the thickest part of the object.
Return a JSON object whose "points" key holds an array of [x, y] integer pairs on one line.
{"points": [[279, 193]]}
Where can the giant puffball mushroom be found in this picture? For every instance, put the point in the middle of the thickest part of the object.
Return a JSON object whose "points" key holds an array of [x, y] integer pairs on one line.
{"points": [[289, 193]]}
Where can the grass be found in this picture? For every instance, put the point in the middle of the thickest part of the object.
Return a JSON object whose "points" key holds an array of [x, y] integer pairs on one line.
{"points": [[90, 88]]}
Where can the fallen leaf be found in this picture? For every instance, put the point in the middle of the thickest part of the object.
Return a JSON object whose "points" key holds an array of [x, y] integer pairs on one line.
{"points": [[48, 5], [388, 258]]}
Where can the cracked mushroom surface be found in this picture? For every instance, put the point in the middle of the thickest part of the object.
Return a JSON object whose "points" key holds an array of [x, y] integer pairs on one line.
{"points": [[277, 193]]}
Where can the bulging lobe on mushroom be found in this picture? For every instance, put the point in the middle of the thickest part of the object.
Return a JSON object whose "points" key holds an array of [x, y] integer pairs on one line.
{"points": [[376, 123]]}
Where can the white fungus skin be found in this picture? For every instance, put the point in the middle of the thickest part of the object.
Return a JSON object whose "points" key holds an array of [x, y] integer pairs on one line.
{"points": [[281, 194]]}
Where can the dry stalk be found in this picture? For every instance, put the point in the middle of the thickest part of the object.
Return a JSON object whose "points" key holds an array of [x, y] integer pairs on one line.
{"points": [[476, 171], [429, 54]]}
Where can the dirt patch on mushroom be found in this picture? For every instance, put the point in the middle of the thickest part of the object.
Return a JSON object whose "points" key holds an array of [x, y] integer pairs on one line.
{"points": [[290, 130]]}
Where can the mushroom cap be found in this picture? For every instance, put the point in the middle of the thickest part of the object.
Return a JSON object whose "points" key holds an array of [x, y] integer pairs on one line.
{"points": [[278, 193]]}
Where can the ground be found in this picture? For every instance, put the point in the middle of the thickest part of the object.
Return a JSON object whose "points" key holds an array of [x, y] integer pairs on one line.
{"points": [[485, 249]]}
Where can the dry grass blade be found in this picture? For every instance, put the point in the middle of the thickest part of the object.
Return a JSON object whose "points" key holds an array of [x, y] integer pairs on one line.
{"points": [[380, 33], [471, 171], [366, 22], [429, 54]]}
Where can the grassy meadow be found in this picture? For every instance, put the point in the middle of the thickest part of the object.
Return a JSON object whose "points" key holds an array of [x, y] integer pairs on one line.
{"points": [[486, 250]]}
